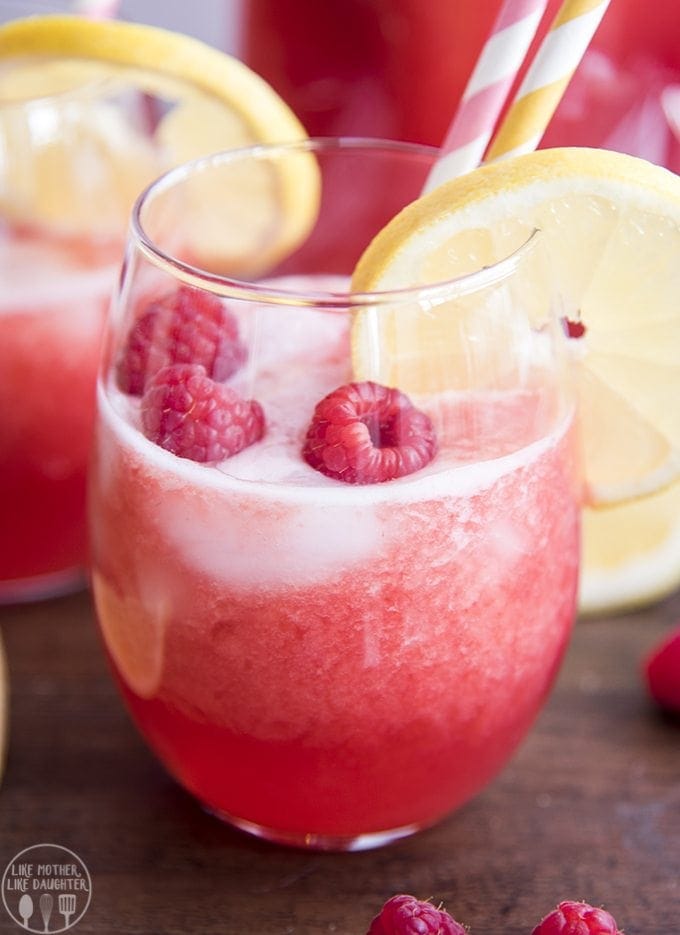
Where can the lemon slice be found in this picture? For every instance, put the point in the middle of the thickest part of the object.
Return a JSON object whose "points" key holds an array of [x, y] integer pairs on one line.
{"points": [[631, 553], [4, 706], [612, 225], [91, 111], [134, 634]]}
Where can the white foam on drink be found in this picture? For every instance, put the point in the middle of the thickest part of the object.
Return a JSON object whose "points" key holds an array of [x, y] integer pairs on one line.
{"points": [[264, 515], [302, 484]]}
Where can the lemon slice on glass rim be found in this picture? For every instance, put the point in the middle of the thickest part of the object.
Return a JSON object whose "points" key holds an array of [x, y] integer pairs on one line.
{"points": [[612, 224], [91, 111]]}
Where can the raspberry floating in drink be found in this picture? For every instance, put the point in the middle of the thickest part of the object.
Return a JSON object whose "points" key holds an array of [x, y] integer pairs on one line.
{"points": [[366, 433], [187, 326], [574, 328], [192, 416]]}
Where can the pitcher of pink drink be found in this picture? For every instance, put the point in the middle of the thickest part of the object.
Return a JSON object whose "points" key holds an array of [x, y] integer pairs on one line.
{"points": [[616, 99], [397, 68], [383, 68]]}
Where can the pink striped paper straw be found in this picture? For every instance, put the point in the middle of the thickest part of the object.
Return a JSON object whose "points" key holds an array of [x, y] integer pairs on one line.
{"points": [[97, 9], [670, 103], [488, 87], [547, 78]]}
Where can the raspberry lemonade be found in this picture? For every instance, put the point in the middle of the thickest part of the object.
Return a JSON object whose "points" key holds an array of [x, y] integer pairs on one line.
{"points": [[52, 311], [58, 265], [333, 607], [78, 142]]}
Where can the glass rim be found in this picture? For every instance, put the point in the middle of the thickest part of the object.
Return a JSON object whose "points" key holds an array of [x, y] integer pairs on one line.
{"points": [[262, 292]]}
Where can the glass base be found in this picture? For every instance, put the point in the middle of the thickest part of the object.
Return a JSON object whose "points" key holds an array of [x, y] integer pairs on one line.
{"points": [[42, 587], [317, 842]]}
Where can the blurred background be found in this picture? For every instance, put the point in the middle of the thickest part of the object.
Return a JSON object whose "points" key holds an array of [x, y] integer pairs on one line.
{"points": [[395, 68]]}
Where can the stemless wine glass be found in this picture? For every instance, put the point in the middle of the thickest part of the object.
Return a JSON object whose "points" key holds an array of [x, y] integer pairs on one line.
{"points": [[90, 113], [333, 607], [71, 163]]}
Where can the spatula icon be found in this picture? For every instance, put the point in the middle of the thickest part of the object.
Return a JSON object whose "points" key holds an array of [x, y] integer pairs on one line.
{"points": [[67, 906]]}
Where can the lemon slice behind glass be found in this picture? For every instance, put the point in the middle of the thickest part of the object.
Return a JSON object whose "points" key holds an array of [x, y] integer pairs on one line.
{"points": [[134, 634], [612, 225], [91, 111], [631, 553]]}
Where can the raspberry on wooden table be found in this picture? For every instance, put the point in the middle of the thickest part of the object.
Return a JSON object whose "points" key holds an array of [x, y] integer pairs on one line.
{"points": [[187, 326], [406, 915], [662, 672], [576, 918], [194, 417], [366, 433]]}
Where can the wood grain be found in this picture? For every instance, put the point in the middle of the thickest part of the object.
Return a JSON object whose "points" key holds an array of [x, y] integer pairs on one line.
{"points": [[588, 808], [4, 709]]}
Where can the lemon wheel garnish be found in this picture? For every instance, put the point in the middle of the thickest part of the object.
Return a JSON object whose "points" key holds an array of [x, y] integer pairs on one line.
{"points": [[631, 553], [83, 149], [4, 705], [612, 225], [134, 634]]}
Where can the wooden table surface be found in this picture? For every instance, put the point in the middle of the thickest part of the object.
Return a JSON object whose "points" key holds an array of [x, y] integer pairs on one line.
{"points": [[589, 807]]}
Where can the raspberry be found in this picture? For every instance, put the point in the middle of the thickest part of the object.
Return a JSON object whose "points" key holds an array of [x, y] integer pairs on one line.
{"points": [[662, 672], [571, 918], [406, 915], [574, 329], [183, 327], [187, 413], [365, 433]]}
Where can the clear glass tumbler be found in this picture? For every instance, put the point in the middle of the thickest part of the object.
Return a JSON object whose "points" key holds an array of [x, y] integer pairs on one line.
{"points": [[79, 139], [73, 157], [334, 535]]}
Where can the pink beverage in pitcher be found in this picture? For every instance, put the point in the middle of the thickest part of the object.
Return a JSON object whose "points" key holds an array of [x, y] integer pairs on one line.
{"points": [[398, 68], [333, 610], [383, 68], [616, 98], [52, 309]]}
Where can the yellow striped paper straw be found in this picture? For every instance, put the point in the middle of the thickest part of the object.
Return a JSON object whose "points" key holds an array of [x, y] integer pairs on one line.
{"points": [[547, 78], [489, 85]]}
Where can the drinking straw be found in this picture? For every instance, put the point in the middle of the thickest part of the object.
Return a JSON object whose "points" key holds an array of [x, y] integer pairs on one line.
{"points": [[487, 89], [547, 78], [96, 9], [670, 104]]}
